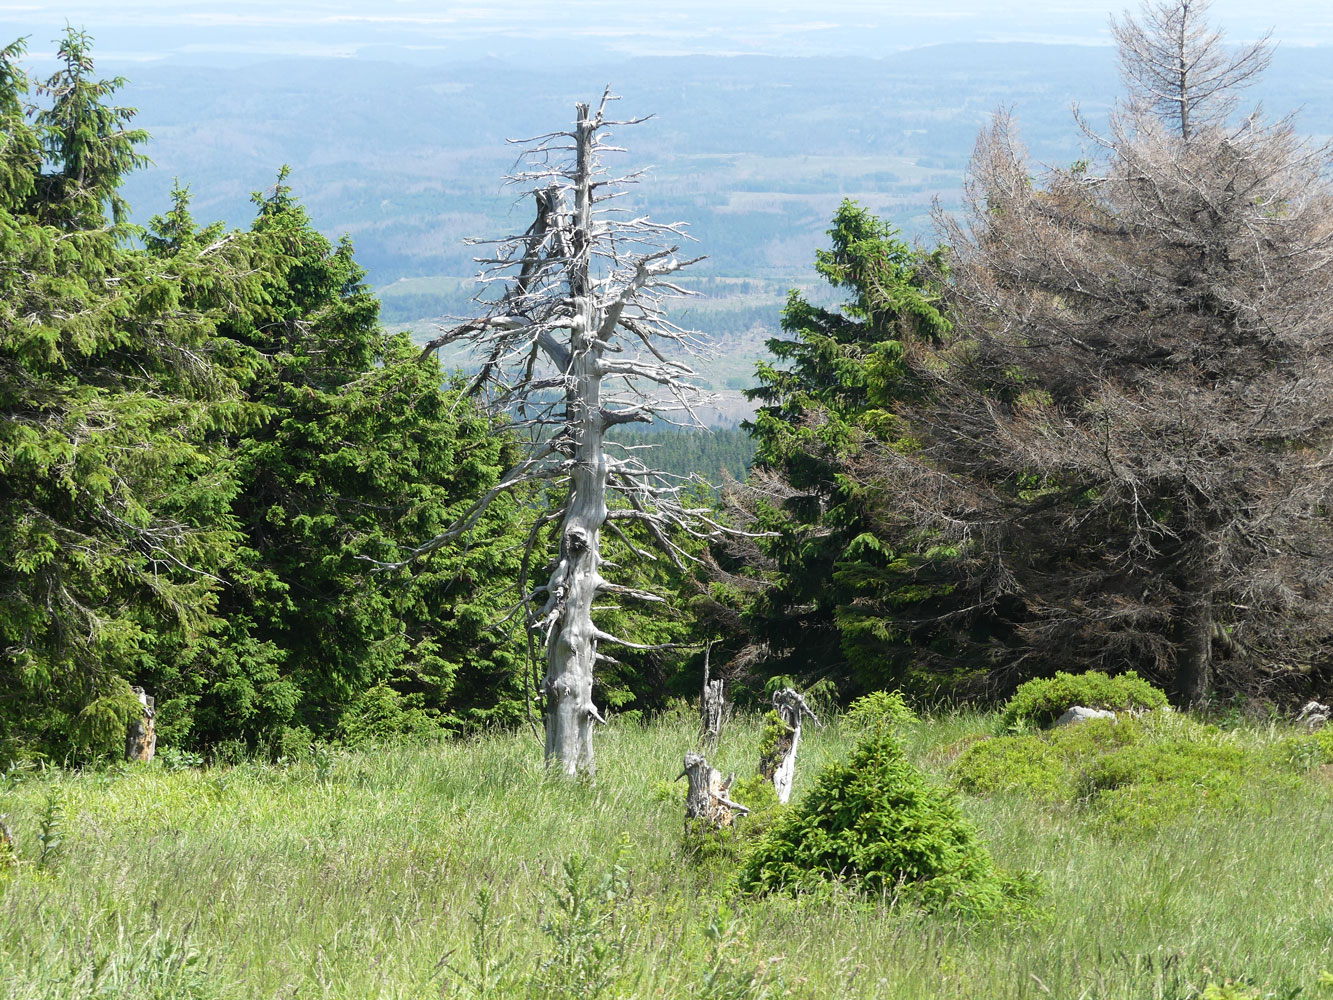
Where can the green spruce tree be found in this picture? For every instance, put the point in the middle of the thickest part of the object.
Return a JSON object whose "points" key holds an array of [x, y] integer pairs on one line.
{"points": [[842, 589], [110, 533]]}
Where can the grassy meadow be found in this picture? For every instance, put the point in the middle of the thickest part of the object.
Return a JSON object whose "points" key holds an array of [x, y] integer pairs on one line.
{"points": [[445, 871]]}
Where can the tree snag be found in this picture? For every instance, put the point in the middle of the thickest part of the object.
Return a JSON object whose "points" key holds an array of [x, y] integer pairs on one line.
{"points": [[1174, 65], [713, 707], [141, 739], [706, 800], [576, 341], [777, 760]]}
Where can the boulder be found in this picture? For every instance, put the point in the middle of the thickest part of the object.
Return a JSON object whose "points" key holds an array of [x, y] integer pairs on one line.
{"points": [[1080, 714]]}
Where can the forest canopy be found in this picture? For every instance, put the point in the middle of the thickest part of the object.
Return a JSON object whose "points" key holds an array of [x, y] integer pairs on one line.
{"points": [[202, 430]]}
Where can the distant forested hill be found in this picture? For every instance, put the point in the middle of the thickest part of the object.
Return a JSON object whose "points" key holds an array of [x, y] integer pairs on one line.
{"points": [[713, 454], [755, 153]]}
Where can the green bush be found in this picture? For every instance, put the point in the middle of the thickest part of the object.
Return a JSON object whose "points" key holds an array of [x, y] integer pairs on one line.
{"points": [[1132, 775], [1303, 751], [1190, 762], [874, 823], [771, 736], [1013, 764], [1040, 702], [381, 715], [870, 710], [1047, 765], [1143, 786], [290, 744], [722, 849]]}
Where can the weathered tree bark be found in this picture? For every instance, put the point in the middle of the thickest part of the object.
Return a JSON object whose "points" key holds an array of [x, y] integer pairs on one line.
{"points": [[1315, 715], [706, 800], [713, 708], [779, 761], [570, 712], [141, 739]]}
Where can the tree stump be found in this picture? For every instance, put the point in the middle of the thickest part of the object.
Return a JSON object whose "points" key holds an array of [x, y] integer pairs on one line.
{"points": [[778, 762], [141, 740], [1314, 715], [713, 708], [706, 801]]}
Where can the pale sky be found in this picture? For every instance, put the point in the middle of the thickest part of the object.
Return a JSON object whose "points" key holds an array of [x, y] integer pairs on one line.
{"points": [[594, 29]]}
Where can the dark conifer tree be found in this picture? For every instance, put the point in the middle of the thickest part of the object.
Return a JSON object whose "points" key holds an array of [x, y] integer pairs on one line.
{"points": [[826, 595]]}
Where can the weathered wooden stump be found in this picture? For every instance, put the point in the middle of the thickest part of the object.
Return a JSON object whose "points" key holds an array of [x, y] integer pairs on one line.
{"points": [[778, 762], [1314, 715], [706, 801], [141, 739], [713, 707]]}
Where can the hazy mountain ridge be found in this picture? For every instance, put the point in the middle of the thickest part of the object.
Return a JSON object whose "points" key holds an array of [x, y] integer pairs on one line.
{"points": [[753, 152]]}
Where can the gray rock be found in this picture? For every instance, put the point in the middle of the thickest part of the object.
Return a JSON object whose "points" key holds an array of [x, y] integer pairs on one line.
{"points": [[1080, 714]]}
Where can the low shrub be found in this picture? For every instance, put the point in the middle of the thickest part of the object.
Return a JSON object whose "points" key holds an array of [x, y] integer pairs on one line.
{"points": [[1131, 774], [771, 737], [1174, 761], [1025, 763], [1041, 701], [1047, 765], [380, 715], [704, 844], [1303, 751], [878, 707], [1144, 786], [290, 744], [875, 823]]}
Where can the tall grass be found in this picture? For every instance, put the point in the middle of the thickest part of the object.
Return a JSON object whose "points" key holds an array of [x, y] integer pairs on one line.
{"points": [[402, 873]]}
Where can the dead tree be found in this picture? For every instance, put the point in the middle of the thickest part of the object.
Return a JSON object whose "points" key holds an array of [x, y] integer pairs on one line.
{"points": [[706, 800], [778, 762], [575, 339], [713, 707], [1127, 438], [1173, 64], [141, 738]]}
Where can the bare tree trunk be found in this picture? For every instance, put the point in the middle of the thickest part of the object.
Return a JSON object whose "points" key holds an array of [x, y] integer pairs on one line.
{"points": [[712, 705], [779, 761], [1193, 635], [706, 799], [141, 739], [570, 713], [1183, 70]]}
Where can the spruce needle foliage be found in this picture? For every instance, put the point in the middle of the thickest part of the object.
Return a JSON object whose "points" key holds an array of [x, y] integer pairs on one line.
{"points": [[836, 585], [876, 823], [202, 430]]}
